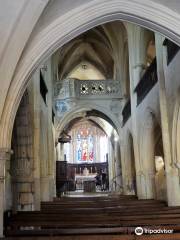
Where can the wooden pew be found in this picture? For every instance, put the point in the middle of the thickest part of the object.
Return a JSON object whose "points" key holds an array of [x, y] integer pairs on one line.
{"points": [[85, 216]]}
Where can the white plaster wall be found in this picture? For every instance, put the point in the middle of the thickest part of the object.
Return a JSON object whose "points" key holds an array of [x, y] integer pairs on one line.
{"points": [[173, 4], [13, 10], [54, 9], [17, 19]]}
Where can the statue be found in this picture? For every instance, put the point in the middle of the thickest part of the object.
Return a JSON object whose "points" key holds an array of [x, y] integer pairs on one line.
{"points": [[85, 171]]}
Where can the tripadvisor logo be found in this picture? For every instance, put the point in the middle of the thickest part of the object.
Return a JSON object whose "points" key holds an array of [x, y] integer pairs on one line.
{"points": [[139, 231]]}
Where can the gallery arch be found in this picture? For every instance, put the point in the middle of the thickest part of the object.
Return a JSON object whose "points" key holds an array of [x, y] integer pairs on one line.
{"points": [[71, 95]]}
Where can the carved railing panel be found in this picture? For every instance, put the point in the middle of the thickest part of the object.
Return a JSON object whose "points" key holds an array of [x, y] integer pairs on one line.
{"points": [[69, 88], [99, 89], [66, 92], [65, 89]]}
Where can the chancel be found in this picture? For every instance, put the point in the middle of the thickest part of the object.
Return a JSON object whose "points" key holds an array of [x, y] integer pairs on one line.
{"points": [[89, 119], [85, 155]]}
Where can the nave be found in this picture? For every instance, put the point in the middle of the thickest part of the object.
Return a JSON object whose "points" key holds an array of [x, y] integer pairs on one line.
{"points": [[94, 217], [89, 103]]}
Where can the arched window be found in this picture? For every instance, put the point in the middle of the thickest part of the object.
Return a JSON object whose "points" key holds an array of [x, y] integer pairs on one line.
{"points": [[85, 145], [89, 143]]}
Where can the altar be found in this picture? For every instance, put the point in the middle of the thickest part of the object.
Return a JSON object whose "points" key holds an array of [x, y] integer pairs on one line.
{"points": [[86, 183], [72, 177]]}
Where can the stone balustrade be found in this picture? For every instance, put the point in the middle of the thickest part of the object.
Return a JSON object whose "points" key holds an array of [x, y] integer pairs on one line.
{"points": [[69, 88], [72, 90]]}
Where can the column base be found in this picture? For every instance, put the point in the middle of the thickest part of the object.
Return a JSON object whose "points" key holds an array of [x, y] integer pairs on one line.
{"points": [[47, 188], [173, 187], [145, 186]]}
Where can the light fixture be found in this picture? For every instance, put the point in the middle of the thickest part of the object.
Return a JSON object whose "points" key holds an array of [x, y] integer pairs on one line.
{"points": [[116, 139], [84, 66]]}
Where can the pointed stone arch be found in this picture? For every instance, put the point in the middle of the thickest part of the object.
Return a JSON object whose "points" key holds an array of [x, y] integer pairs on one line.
{"points": [[22, 159], [80, 111], [65, 27]]}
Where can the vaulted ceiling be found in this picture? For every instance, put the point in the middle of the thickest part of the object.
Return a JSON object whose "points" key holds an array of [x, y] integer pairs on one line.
{"points": [[97, 47]]}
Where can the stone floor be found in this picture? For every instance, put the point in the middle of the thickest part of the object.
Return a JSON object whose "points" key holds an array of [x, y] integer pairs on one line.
{"points": [[80, 193]]}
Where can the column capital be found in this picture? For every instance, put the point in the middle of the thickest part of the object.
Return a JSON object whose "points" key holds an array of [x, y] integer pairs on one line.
{"points": [[139, 65], [5, 154]]}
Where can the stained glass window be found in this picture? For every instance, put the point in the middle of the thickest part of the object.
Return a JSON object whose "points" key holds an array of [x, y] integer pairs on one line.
{"points": [[85, 146]]}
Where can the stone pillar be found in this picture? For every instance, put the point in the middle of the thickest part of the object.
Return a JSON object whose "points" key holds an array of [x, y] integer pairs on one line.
{"points": [[172, 176], [51, 139], [113, 163], [118, 167], [8, 186], [136, 63], [123, 163], [110, 168], [22, 159], [4, 156], [37, 184]]}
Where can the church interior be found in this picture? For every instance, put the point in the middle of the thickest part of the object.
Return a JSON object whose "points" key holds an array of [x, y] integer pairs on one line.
{"points": [[90, 133]]}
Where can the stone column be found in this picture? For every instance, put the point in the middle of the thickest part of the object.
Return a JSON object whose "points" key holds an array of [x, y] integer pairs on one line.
{"points": [[4, 156], [123, 163], [136, 63], [51, 140], [110, 169], [172, 176], [118, 166], [8, 185], [37, 165]]}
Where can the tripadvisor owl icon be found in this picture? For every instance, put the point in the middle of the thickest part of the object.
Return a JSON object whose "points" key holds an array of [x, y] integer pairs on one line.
{"points": [[139, 231]]}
